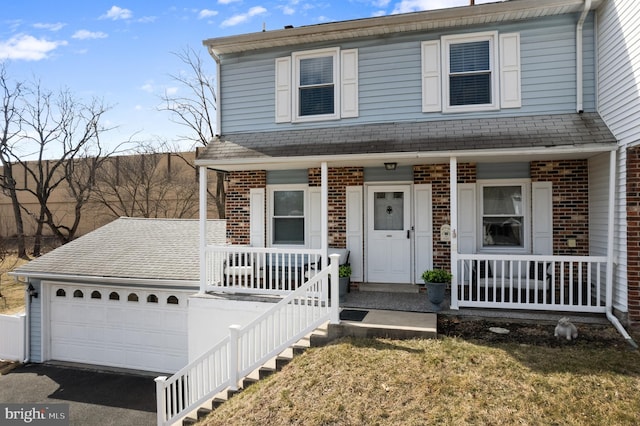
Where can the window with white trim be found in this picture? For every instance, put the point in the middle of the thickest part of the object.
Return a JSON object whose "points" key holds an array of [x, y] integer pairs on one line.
{"points": [[316, 90], [471, 72], [504, 215], [288, 216], [470, 76], [315, 85]]}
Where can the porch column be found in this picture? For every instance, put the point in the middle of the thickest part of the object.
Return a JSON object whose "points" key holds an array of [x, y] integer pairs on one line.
{"points": [[203, 229], [453, 211], [324, 212], [610, 230]]}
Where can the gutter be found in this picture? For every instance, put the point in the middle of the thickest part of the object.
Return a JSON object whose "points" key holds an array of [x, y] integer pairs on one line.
{"points": [[27, 327], [579, 55], [116, 281]]}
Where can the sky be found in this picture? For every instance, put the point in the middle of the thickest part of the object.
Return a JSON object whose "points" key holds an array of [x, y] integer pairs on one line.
{"points": [[123, 51]]}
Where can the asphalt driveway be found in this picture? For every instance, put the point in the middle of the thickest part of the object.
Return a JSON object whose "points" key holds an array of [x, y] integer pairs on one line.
{"points": [[94, 398]]}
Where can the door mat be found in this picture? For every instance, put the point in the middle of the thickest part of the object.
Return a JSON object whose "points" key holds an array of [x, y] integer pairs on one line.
{"points": [[353, 315]]}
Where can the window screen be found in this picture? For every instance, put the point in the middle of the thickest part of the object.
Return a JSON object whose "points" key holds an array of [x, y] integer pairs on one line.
{"points": [[502, 216], [470, 73], [288, 217], [316, 92]]}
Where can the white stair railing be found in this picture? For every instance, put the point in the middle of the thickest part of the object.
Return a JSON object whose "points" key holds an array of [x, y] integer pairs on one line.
{"points": [[249, 347]]}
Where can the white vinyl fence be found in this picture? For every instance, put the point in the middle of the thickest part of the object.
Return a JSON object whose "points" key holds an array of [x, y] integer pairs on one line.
{"points": [[12, 332]]}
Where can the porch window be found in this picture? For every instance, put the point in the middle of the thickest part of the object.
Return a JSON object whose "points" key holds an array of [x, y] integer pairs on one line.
{"points": [[470, 75], [288, 217], [503, 218]]}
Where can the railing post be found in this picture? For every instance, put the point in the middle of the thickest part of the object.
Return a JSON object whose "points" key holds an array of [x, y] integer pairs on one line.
{"points": [[334, 317], [234, 356], [161, 400]]}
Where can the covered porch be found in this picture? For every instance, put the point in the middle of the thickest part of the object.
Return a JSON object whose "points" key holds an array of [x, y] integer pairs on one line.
{"points": [[544, 275]]}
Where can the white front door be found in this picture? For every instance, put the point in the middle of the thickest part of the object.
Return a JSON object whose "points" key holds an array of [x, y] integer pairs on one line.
{"points": [[388, 234]]}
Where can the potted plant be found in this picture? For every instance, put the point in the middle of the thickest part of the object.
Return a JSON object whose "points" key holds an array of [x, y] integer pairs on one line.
{"points": [[344, 275], [436, 281]]}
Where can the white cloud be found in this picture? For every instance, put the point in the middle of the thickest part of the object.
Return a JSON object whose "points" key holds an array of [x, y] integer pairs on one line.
{"points": [[206, 13], [87, 35], [243, 17], [49, 26], [227, 1], [147, 19], [406, 6], [116, 13], [28, 48], [138, 108], [287, 10], [170, 91], [148, 87], [381, 3]]}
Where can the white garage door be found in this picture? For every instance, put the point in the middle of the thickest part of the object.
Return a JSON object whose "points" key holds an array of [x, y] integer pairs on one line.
{"points": [[143, 329]]}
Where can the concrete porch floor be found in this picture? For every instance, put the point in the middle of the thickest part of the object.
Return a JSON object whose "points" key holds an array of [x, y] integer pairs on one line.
{"points": [[405, 307]]}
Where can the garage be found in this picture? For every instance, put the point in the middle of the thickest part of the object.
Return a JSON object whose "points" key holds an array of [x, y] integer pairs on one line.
{"points": [[134, 328]]}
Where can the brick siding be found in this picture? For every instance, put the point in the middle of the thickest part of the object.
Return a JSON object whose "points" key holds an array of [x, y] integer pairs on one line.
{"points": [[237, 208], [633, 235], [438, 176], [570, 186]]}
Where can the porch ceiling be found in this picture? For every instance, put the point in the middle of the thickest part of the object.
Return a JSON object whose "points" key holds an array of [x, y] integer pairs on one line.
{"points": [[494, 139], [500, 11]]}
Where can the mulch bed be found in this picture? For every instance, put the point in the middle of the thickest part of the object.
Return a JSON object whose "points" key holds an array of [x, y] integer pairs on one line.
{"points": [[589, 335]]}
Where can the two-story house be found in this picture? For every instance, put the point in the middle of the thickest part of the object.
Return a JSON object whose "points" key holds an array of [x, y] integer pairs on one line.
{"points": [[467, 139]]}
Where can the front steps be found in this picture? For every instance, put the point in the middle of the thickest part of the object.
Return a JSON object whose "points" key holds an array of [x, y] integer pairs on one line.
{"points": [[386, 324], [318, 337]]}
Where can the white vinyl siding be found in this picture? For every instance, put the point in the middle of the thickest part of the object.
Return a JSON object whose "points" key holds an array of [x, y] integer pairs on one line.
{"points": [[618, 53]]}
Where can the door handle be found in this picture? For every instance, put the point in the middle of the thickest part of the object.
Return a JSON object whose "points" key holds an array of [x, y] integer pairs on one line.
{"points": [[408, 233]]}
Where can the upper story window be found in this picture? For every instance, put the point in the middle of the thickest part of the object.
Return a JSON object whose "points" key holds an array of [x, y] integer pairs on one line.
{"points": [[317, 85], [288, 217], [316, 88], [470, 82], [471, 72]]}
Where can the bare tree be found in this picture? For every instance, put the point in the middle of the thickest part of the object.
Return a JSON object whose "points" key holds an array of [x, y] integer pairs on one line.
{"points": [[61, 126], [9, 130], [148, 183], [196, 109]]}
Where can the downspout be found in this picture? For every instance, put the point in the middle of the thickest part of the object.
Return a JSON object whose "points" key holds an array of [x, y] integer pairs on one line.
{"points": [[218, 117], [579, 66], [27, 326], [610, 241]]}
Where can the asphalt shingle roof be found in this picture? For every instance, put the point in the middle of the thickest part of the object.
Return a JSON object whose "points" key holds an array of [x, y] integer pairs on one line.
{"points": [[162, 249], [426, 136]]}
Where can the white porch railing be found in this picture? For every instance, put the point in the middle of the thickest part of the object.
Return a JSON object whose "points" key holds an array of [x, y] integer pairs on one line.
{"points": [[12, 334], [249, 347], [554, 283], [241, 269]]}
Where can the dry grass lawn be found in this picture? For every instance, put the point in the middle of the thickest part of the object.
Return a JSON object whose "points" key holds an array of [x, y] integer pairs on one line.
{"points": [[12, 300], [447, 381]]}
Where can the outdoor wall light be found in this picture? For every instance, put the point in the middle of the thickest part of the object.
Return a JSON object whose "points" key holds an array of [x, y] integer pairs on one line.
{"points": [[390, 166], [32, 291]]}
